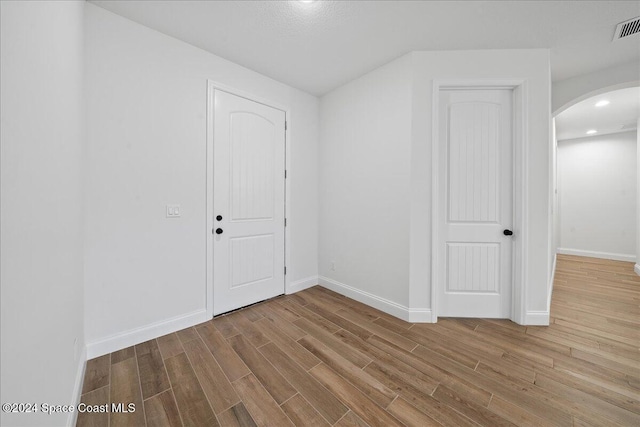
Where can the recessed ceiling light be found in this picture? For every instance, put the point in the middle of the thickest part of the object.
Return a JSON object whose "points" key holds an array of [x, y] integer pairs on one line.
{"points": [[306, 1], [602, 103], [592, 132]]}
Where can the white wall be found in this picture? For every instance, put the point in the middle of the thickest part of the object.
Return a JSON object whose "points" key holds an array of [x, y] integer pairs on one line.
{"points": [[554, 219], [41, 213], [597, 195], [303, 221], [146, 124], [637, 266], [364, 175], [554, 193], [377, 129]]}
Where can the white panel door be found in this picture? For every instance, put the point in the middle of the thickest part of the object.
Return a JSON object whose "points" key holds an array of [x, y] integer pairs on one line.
{"points": [[475, 203], [248, 202]]}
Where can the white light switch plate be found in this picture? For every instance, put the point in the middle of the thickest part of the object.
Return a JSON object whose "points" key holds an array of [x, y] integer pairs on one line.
{"points": [[173, 211]]}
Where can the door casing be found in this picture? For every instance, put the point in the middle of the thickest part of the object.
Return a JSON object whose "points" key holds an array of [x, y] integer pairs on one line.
{"points": [[211, 88], [520, 187]]}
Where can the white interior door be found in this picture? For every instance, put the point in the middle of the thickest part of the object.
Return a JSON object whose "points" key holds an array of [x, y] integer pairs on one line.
{"points": [[248, 202], [475, 203]]}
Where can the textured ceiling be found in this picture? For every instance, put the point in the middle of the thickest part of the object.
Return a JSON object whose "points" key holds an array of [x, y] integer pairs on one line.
{"points": [[319, 46], [620, 114]]}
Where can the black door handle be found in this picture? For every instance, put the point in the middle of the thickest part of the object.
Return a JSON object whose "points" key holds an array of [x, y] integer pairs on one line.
{"points": [[219, 217], [505, 232], [218, 230]]}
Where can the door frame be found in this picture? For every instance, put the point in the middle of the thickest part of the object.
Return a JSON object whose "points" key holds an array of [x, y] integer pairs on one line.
{"points": [[520, 187], [212, 86]]}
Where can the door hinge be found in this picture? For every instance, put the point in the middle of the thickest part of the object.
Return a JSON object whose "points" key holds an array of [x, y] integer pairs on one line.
{"points": [[285, 125], [285, 222], [285, 174], [285, 270]]}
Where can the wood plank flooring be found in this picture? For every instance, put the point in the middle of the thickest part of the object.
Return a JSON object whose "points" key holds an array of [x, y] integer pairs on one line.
{"points": [[317, 358]]}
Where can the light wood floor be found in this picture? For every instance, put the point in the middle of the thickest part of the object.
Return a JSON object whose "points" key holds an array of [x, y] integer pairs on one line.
{"points": [[316, 358]]}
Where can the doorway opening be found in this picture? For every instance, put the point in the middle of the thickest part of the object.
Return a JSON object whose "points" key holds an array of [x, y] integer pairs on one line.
{"points": [[595, 176]]}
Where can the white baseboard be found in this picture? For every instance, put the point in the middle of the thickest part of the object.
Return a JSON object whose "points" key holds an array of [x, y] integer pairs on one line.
{"points": [[553, 278], [77, 387], [300, 285], [536, 318], [594, 254], [415, 315], [144, 333], [420, 315], [636, 268]]}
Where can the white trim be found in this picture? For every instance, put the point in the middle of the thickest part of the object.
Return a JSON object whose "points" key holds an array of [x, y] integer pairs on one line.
{"points": [[209, 201], [551, 280], [417, 315], [435, 191], [77, 387], [212, 84], [595, 254], [420, 315], [144, 333], [211, 87], [287, 197], [300, 285], [536, 318], [636, 268], [520, 187], [521, 200]]}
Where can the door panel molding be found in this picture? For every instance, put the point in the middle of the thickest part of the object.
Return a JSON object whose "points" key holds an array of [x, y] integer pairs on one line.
{"points": [[212, 86], [520, 187]]}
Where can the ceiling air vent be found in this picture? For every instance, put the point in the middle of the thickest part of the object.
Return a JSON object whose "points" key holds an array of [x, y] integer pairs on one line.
{"points": [[627, 28]]}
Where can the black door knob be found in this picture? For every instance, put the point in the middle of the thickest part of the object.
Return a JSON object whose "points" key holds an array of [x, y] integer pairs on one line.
{"points": [[219, 217], [507, 233], [218, 230]]}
